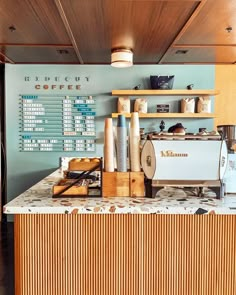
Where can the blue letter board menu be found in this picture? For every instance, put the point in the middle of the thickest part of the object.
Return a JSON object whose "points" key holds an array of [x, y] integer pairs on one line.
{"points": [[57, 123]]}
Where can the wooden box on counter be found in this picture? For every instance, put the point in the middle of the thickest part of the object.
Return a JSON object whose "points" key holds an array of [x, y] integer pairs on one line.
{"points": [[76, 190], [137, 188], [83, 164], [123, 184]]}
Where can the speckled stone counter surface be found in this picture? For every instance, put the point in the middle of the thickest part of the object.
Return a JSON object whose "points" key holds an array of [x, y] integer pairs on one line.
{"points": [[38, 200]]}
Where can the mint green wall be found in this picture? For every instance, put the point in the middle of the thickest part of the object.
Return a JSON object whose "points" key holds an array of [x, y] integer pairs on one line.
{"points": [[26, 168]]}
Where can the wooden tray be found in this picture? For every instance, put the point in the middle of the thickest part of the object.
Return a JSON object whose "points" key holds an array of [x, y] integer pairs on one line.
{"points": [[80, 189], [79, 164]]}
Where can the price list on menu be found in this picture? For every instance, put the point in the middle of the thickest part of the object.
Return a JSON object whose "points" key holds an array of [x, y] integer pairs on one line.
{"points": [[57, 123]]}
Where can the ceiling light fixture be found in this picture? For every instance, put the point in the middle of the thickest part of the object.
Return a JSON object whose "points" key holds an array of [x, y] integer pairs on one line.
{"points": [[121, 58]]}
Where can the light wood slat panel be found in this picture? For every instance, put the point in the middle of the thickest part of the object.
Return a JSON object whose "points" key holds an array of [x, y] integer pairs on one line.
{"points": [[225, 103], [125, 254]]}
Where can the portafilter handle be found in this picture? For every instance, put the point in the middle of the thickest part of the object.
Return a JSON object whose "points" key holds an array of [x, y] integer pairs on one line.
{"points": [[162, 125], [223, 137]]}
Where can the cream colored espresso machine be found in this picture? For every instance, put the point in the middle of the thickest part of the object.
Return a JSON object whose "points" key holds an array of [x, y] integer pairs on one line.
{"points": [[186, 161]]}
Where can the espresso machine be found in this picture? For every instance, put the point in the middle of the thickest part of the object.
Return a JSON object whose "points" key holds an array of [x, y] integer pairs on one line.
{"points": [[228, 132], [185, 160]]}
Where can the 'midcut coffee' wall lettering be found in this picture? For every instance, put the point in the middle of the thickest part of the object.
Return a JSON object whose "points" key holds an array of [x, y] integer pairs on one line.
{"points": [[54, 79], [57, 87]]}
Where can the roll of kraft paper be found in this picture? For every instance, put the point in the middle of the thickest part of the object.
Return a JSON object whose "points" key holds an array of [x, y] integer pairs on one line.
{"points": [[134, 143], [121, 144], [108, 146]]}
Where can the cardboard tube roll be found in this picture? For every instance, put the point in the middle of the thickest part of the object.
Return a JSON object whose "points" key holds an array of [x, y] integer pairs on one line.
{"points": [[108, 146]]}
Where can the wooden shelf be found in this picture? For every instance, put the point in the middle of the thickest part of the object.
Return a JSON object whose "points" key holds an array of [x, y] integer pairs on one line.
{"points": [[173, 92], [169, 115]]}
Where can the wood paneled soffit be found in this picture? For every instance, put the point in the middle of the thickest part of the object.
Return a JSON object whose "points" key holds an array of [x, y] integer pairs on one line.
{"points": [[19, 53], [202, 45], [160, 0], [36, 22], [210, 25], [36, 45], [183, 30], [5, 59], [213, 55], [31, 54], [204, 37]]}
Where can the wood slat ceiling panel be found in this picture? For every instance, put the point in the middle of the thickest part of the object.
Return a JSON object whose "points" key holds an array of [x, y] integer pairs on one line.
{"points": [[148, 27], [220, 54], [39, 54], [209, 26], [35, 22]]}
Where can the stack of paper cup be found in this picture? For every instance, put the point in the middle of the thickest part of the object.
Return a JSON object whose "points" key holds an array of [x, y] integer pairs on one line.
{"points": [[108, 146], [134, 143], [121, 144]]}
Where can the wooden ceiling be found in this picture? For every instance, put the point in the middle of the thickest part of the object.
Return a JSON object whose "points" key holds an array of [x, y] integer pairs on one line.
{"points": [[85, 31]]}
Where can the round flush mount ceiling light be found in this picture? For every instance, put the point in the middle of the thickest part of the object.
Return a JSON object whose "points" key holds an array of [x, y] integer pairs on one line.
{"points": [[121, 58]]}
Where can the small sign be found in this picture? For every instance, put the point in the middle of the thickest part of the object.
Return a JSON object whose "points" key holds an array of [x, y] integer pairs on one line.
{"points": [[163, 108]]}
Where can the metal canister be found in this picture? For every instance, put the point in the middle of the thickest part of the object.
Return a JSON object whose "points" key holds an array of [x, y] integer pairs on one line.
{"points": [[228, 132]]}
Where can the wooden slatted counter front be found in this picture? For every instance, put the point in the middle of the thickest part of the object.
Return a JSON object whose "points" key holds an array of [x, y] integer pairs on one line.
{"points": [[163, 246]]}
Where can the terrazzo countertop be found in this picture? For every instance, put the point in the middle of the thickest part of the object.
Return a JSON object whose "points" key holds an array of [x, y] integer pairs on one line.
{"points": [[38, 200]]}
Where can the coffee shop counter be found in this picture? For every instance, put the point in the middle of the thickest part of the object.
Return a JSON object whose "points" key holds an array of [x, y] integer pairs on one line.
{"points": [[38, 200], [173, 244]]}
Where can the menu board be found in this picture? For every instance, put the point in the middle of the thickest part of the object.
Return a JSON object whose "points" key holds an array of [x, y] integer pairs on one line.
{"points": [[54, 123]]}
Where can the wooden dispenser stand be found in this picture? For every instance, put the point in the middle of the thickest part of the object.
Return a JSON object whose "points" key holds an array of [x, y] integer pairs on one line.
{"points": [[123, 184]]}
